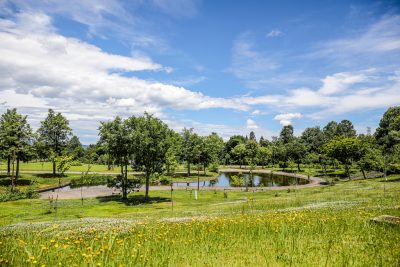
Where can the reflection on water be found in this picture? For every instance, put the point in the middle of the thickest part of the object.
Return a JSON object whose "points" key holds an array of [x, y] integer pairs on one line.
{"points": [[265, 179]]}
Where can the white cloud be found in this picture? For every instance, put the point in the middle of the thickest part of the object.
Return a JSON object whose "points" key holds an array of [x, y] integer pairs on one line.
{"points": [[380, 37], [251, 124], [256, 112], [340, 81], [286, 118], [274, 33]]}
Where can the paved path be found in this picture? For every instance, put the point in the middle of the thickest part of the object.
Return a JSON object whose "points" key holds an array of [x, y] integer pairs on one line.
{"points": [[101, 190]]}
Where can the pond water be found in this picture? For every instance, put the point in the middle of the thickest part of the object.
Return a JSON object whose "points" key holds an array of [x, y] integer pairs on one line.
{"points": [[264, 179]]}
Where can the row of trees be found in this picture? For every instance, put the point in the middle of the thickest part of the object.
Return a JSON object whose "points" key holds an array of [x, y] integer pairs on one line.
{"points": [[146, 143]]}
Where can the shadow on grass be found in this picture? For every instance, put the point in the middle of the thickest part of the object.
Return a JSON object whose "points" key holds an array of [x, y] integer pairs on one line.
{"points": [[390, 180], [134, 200], [48, 175], [6, 181]]}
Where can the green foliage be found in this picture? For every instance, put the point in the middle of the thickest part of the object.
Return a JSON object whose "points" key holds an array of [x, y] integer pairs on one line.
{"points": [[63, 163], [388, 132], [213, 167], [239, 153], [251, 152], [15, 136], [344, 149], [90, 180], [286, 134], [12, 194], [237, 180], [264, 155], [314, 139]]}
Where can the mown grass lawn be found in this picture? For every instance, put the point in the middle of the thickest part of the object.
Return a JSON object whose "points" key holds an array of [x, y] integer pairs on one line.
{"points": [[321, 226]]}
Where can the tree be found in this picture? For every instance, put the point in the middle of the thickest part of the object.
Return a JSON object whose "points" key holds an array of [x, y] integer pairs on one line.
{"points": [[286, 134], [117, 138], [190, 147], [345, 150], [264, 155], [330, 130], [388, 133], [15, 138], [296, 151], [213, 149], [314, 139], [54, 132], [345, 128], [232, 142], [239, 153], [252, 136], [264, 142], [75, 148], [150, 146]]}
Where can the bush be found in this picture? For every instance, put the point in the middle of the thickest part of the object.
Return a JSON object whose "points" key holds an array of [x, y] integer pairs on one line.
{"points": [[165, 180], [393, 169], [237, 181], [76, 163], [214, 167], [15, 194], [90, 180]]}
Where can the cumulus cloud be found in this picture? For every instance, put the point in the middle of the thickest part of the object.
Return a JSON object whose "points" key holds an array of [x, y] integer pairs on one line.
{"points": [[251, 124], [286, 118]]}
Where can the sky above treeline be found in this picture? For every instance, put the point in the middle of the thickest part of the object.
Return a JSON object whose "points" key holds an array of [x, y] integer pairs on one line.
{"points": [[229, 67]]}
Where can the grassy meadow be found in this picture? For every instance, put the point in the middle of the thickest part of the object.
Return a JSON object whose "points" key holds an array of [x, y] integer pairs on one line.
{"points": [[320, 226]]}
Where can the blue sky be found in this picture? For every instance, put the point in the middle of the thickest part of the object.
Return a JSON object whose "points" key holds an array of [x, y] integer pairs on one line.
{"points": [[229, 67]]}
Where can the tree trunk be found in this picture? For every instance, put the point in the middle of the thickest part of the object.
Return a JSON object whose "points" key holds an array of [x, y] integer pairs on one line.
{"points": [[146, 196], [17, 170], [347, 170], [123, 186], [125, 194], [8, 165], [363, 172], [54, 167], [298, 167], [188, 168]]}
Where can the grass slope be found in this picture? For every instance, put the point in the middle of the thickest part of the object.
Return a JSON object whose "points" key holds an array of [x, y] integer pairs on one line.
{"points": [[325, 226]]}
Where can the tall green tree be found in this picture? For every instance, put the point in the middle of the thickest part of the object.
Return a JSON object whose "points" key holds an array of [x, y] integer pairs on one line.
{"points": [[190, 147], [345, 128], [286, 134], [212, 150], [150, 146], [345, 150], [54, 132], [232, 142], [75, 148], [388, 133], [239, 153], [330, 130], [296, 151], [116, 136], [15, 138], [264, 155], [314, 139]]}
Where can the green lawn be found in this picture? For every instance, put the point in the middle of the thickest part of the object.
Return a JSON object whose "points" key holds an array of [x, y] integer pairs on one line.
{"points": [[327, 226]]}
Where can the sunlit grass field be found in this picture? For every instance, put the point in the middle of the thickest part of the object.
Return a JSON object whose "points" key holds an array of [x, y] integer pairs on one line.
{"points": [[322, 226]]}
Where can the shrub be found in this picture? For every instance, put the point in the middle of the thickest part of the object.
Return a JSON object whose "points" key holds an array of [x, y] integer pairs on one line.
{"points": [[393, 169], [15, 194], [214, 167], [90, 180], [76, 163], [237, 180]]}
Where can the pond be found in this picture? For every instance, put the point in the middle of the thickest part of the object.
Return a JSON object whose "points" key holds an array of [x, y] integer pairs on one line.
{"points": [[259, 180]]}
